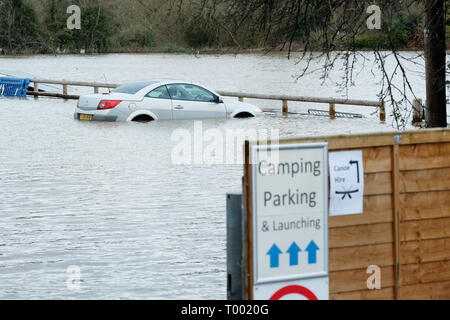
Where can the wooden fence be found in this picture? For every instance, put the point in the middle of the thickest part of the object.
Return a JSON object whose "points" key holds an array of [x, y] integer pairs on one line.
{"points": [[332, 102], [405, 227]]}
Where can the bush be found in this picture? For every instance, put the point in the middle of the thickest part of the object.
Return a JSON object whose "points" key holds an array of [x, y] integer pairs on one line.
{"points": [[18, 26], [366, 42], [97, 27], [174, 48], [140, 40], [199, 33], [403, 30]]}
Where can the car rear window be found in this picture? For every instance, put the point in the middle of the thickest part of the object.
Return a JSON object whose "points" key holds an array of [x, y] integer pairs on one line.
{"points": [[132, 88]]}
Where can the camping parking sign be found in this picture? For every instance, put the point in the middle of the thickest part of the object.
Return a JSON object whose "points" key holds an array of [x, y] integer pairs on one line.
{"points": [[290, 221]]}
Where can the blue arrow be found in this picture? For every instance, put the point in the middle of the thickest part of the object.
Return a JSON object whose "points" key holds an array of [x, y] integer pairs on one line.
{"points": [[274, 252], [293, 254], [312, 252]]}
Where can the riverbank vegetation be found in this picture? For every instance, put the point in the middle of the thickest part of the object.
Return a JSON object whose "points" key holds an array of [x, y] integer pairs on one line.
{"points": [[39, 26]]}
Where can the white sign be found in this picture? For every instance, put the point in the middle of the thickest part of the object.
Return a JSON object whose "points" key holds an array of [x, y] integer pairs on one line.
{"points": [[346, 182], [290, 213]]}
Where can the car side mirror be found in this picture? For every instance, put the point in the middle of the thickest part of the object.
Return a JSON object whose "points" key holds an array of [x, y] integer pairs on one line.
{"points": [[218, 99]]}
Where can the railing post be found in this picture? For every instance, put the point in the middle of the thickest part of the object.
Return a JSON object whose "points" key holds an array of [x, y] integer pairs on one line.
{"points": [[95, 89], [417, 112], [382, 111], [285, 107], [65, 89], [332, 111], [241, 99], [36, 89]]}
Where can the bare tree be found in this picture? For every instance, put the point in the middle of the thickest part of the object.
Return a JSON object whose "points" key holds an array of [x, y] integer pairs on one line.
{"points": [[332, 27]]}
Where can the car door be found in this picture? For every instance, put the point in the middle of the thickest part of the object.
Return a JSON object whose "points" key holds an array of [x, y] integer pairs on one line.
{"points": [[158, 102], [193, 102]]}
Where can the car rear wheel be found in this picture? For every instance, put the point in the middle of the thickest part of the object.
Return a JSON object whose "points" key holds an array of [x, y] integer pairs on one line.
{"points": [[143, 118], [244, 115]]}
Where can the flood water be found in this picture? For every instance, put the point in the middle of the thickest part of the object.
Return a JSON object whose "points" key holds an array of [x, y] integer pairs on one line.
{"points": [[107, 197]]}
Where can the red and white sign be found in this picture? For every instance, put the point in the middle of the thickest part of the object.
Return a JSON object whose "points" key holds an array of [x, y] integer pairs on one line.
{"points": [[305, 289]]}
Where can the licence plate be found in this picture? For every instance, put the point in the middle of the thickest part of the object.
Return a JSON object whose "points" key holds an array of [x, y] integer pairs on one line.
{"points": [[86, 117]]}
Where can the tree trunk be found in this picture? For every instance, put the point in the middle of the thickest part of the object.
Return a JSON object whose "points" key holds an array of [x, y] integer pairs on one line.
{"points": [[435, 45]]}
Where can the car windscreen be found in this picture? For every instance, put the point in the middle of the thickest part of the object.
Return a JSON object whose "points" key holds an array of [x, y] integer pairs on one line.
{"points": [[133, 88]]}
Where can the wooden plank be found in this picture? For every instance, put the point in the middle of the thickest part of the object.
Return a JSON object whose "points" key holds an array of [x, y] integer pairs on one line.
{"points": [[377, 209], [426, 136], [338, 142], [425, 156], [360, 235], [361, 257], [377, 159], [377, 183], [425, 229], [425, 180], [426, 272], [77, 83], [53, 95], [425, 251], [432, 291], [365, 103], [426, 205], [354, 280], [382, 294]]}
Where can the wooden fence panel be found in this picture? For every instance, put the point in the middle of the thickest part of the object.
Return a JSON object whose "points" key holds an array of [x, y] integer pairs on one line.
{"points": [[428, 205], [405, 225], [356, 280], [424, 156]]}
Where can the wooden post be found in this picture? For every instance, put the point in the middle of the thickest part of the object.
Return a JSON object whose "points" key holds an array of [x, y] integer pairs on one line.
{"points": [[248, 224], [65, 89], [396, 214], [285, 107], [417, 112], [241, 99], [382, 111], [36, 89], [95, 89], [332, 111]]}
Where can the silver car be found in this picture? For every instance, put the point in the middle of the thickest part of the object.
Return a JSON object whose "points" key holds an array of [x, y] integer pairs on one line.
{"points": [[160, 100]]}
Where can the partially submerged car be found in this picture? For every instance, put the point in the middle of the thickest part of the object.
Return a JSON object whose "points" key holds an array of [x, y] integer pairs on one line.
{"points": [[161, 100]]}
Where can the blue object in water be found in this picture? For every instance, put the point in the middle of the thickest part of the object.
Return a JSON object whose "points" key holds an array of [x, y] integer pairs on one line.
{"points": [[14, 87]]}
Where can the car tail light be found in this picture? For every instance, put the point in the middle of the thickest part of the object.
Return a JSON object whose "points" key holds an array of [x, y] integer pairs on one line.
{"points": [[108, 104]]}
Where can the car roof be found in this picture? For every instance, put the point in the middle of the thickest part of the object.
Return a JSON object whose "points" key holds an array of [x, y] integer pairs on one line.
{"points": [[160, 82]]}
